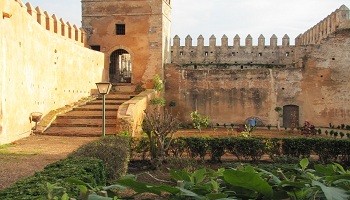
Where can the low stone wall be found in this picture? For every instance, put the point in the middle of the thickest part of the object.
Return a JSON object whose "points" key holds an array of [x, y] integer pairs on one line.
{"points": [[131, 113]]}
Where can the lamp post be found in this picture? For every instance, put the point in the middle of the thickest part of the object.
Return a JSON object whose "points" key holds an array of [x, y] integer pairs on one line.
{"points": [[104, 88]]}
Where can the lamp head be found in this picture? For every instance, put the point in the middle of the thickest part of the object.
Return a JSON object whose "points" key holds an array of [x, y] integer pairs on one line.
{"points": [[104, 87]]}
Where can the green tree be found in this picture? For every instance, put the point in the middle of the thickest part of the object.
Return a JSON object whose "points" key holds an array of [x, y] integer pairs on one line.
{"points": [[199, 121]]}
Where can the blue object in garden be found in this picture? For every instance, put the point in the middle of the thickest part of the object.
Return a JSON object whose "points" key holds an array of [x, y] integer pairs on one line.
{"points": [[252, 122]]}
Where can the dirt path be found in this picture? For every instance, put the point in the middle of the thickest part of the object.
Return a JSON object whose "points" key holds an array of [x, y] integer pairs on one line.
{"points": [[26, 156]]}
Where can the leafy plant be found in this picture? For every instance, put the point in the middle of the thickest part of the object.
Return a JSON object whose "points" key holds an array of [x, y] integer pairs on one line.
{"points": [[160, 128], [248, 182], [308, 129], [158, 101], [158, 84], [341, 134], [112, 150], [199, 121], [326, 132], [336, 134]]}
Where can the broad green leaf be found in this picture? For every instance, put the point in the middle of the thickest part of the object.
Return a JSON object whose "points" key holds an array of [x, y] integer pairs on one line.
{"points": [[83, 189], [275, 179], [97, 197], [189, 193], [249, 169], [78, 182], [251, 181], [340, 167], [164, 188], [332, 193], [198, 176], [324, 171], [65, 197], [304, 163], [216, 196], [180, 175], [141, 187], [215, 185], [291, 186], [115, 186], [138, 187]]}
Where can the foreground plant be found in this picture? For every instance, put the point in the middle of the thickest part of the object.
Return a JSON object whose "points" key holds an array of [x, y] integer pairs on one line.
{"points": [[248, 182], [199, 121], [160, 127]]}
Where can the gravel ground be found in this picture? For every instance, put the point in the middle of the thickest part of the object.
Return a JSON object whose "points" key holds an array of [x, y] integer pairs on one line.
{"points": [[26, 156]]}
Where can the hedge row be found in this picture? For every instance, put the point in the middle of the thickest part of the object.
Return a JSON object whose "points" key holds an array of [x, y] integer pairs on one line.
{"points": [[89, 170], [253, 148]]}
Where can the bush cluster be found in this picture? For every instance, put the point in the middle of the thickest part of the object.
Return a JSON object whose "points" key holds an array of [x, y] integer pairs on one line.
{"points": [[89, 170], [114, 151], [253, 148]]}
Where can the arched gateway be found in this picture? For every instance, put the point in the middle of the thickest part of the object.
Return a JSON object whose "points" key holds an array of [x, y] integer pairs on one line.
{"points": [[120, 67]]}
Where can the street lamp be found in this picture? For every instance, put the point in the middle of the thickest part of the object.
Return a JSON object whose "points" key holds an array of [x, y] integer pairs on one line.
{"points": [[104, 88]]}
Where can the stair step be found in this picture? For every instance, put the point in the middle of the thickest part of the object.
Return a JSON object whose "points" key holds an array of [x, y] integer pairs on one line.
{"points": [[81, 125], [96, 108], [79, 131], [85, 117], [110, 102], [92, 114], [69, 122], [86, 120]]}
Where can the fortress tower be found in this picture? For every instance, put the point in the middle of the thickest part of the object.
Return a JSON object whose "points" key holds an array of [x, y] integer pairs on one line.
{"points": [[133, 35]]}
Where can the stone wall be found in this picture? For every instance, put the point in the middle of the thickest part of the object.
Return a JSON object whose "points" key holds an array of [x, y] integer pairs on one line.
{"points": [[318, 86], [41, 68], [231, 83]]}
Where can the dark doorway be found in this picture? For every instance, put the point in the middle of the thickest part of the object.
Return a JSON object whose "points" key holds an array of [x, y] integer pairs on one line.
{"points": [[120, 67], [291, 116]]}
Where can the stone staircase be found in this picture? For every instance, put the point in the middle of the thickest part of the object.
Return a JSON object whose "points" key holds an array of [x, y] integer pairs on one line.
{"points": [[86, 120]]}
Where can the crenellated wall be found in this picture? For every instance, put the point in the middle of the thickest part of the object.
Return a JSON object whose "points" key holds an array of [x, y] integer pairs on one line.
{"points": [[337, 19], [56, 25], [235, 56], [43, 66]]}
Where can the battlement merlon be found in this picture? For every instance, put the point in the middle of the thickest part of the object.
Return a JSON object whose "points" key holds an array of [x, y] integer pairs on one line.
{"points": [[337, 19], [236, 41], [55, 25]]}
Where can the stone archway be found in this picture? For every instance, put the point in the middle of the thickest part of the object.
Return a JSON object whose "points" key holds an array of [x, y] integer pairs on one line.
{"points": [[120, 67], [291, 116]]}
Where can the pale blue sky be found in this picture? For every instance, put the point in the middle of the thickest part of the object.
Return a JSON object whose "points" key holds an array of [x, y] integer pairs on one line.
{"points": [[228, 17]]}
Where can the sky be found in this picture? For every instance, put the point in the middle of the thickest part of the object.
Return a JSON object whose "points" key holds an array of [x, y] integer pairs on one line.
{"points": [[229, 17]]}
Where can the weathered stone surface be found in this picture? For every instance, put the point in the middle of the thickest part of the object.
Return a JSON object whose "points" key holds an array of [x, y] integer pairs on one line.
{"points": [[40, 70]]}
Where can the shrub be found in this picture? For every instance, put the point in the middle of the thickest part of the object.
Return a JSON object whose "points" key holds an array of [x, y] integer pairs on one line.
{"points": [[89, 170], [297, 147], [336, 134], [308, 129], [216, 148], [197, 146], [199, 121], [114, 151], [246, 148]]}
